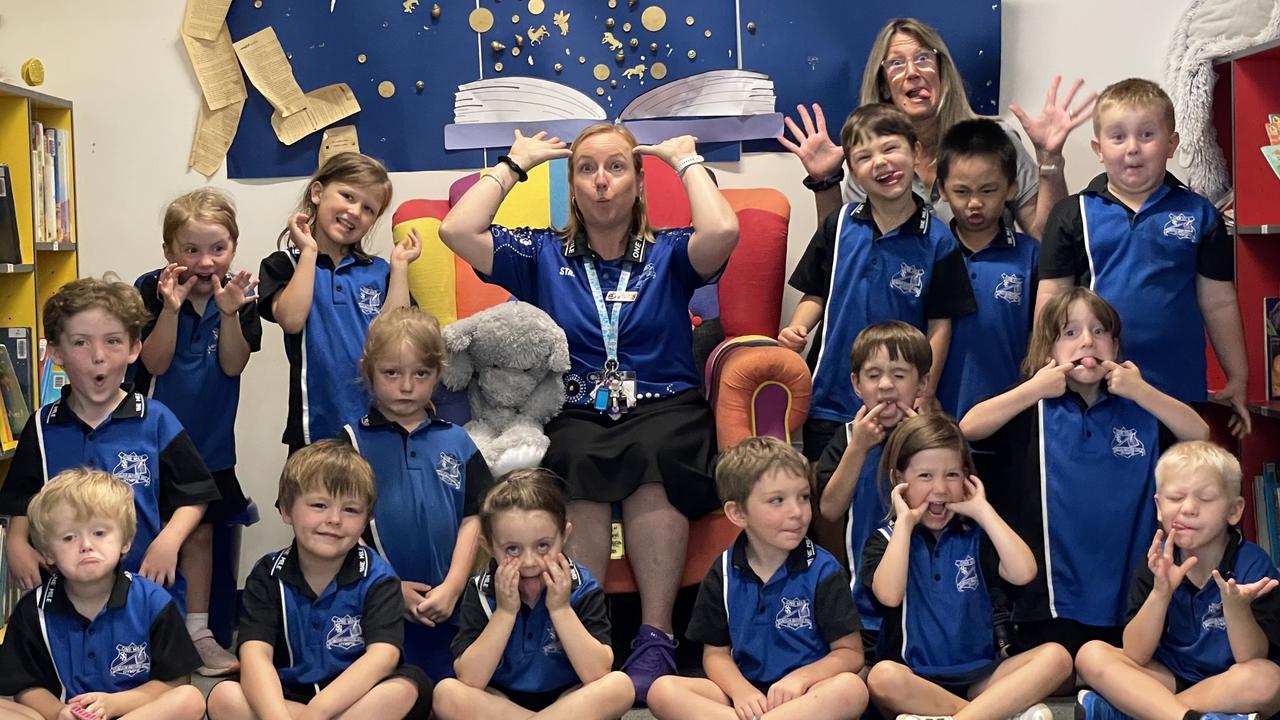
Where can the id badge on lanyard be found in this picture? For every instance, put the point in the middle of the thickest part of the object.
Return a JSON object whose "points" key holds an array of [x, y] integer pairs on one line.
{"points": [[615, 393]]}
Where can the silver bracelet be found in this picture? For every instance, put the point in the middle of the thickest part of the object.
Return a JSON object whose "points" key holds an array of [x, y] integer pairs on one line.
{"points": [[494, 178], [688, 162]]}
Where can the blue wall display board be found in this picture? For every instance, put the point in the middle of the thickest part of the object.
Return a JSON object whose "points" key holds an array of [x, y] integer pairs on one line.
{"points": [[812, 50]]}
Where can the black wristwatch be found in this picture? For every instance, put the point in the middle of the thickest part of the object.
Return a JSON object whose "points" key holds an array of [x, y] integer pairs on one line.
{"points": [[826, 183]]}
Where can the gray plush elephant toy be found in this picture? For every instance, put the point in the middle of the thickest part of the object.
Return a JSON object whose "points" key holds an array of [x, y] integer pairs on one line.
{"points": [[511, 359]]}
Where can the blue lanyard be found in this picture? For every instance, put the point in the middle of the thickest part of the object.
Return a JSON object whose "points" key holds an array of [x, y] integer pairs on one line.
{"points": [[608, 323]]}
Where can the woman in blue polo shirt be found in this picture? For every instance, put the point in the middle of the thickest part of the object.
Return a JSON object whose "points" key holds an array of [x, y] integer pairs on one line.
{"points": [[634, 429]]}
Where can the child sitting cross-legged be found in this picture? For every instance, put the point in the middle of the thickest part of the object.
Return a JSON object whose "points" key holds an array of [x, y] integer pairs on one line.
{"points": [[1204, 617], [775, 614], [931, 570]]}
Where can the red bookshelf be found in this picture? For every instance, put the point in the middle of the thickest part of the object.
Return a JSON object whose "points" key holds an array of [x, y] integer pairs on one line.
{"points": [[1248, 89]]}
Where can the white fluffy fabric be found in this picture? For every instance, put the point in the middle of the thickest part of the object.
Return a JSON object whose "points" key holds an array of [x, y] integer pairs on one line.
{"points": [[1210, 29]]}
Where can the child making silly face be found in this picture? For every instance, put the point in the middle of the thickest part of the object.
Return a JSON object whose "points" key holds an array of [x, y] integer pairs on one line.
{"points": [[528, 545]]}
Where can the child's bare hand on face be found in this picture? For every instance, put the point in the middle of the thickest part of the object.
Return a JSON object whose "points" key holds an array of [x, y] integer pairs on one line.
{"points": [[507, 585], [906, 516], [558, 580], [1168, 575]]}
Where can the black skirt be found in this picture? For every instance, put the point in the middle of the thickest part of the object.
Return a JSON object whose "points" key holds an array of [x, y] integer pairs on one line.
{"points": [[670, 441]]}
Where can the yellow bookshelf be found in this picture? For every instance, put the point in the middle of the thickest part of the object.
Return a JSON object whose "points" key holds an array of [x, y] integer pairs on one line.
{"points": [[46, 266]]}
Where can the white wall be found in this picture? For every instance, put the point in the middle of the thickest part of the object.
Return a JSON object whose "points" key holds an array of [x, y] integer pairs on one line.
{"points": [[135, 105]]}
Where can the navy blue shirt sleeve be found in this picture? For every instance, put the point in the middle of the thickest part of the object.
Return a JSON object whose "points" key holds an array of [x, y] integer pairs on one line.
{"points": [[829, 460], [592, 609], [1216, 255], [515, 260], [1062, 248], [251, 326], [812, 275], [479, 480], [709, 624], [173, 655], [273, 275], [383, 608], [950, 294], [184, 478], [833, 607], [26, 473], [872, 553], [24, 659], [471, 620], [260, 606]]}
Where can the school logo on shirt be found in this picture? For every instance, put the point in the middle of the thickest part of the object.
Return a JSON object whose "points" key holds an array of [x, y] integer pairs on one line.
{"points": [[1010, 289], [551, 642], [567, 272], [370, 302], [1126, 443], [1213, 618], [908, 281], [794, 615], [1181, 226], [966, 574], [449, 470], [132, 469], [131, 660], [213, 343], [344, 633]]}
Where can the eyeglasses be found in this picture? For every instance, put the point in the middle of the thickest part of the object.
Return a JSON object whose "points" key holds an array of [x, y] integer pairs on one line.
{"points": [[924, 61]]}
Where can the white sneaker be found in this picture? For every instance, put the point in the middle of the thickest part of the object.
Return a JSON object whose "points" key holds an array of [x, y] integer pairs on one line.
{"points": [[215, 661], [1039, 711]]}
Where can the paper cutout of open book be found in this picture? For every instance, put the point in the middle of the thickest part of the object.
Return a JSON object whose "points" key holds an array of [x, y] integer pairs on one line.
{"points": [[715, 106]]}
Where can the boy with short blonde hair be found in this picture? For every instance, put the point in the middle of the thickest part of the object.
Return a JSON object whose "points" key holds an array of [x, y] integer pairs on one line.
{"points": [[1204, 620], [774, 614], [93, 638], [320, 628], [1154, 249]]}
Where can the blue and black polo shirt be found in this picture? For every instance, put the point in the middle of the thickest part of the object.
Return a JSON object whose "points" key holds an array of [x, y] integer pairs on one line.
{"points": [[867, 510], [655, 338], [987, 347], [428, 481], [913, 273], [534, 661], [1075, 482], [140, 443], [943, 628], [316, 638], [1194, 644], [195, 388], [324, 359], [777, 625], [1145, 264], [138, 636]]}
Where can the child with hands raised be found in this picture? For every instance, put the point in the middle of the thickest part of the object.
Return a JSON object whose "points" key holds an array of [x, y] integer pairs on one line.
{"points": [[199, 378], [890, 362], [325, 289], [1192, 645], [533, 636], [1083, 426], [931, 570]]}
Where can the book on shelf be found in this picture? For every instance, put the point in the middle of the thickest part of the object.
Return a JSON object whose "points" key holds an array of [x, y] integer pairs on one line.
{"points": [[1263, 533], [10, 246], [1271, 345], [52, 376], [21, 355], [37, 179], [15, 407], [1271, 511]]}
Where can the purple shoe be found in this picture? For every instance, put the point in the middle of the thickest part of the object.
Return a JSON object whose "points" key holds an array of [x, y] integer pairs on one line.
{"points": [[652, 656]]}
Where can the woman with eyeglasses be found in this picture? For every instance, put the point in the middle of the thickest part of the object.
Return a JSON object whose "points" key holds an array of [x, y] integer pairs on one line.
{"points": [[910, 67]]}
